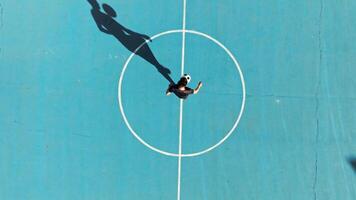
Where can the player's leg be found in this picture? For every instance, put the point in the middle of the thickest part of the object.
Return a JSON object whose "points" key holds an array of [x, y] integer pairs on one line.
{"points": [[169, 89]]}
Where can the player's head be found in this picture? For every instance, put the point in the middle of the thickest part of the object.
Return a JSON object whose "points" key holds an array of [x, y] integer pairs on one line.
{"points": [[109, 10], [184, 80]]}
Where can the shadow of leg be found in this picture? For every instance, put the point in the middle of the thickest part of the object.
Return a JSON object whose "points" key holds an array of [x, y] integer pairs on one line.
{"points": [[146, 53]]}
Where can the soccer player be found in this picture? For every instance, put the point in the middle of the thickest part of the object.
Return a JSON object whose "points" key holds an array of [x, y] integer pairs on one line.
{"points": [[181, 90]]}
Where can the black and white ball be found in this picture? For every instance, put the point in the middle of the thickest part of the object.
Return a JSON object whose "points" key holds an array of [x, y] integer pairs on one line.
{"points": [[187, 77]]}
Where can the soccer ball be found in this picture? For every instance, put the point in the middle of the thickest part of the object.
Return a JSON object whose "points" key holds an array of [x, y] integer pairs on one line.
{"points": [[187, 77]]}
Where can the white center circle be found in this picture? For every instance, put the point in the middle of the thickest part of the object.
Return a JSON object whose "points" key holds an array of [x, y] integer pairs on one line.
{"points": [[190, 154]]}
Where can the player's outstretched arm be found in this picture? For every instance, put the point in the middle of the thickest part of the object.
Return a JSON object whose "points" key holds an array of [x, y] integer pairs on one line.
{"points": [[196, 90]]}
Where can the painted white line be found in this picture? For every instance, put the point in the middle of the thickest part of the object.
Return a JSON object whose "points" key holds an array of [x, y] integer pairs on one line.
{"points": [[180, 147], [181, 105], [228, 134], [183, 37]]}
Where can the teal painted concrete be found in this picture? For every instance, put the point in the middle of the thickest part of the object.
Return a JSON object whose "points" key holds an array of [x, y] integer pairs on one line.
{"points": [[62, 135]]}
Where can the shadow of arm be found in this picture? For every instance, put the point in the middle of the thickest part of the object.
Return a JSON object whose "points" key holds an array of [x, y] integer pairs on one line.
{"points": [[130, 32], [101, 28], [98, 23]]}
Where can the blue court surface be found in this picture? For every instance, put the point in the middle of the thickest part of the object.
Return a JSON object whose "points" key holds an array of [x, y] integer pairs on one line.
{"points": [[84, 115]]}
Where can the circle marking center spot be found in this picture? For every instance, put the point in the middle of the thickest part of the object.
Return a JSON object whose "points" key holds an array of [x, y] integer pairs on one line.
{"points": [[207, 149]]}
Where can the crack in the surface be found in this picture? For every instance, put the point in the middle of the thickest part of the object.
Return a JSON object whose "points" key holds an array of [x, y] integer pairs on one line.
{"points": [[317, 100], [316, 152]]}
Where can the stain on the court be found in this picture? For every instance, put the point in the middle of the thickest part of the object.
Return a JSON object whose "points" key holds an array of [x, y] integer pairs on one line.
{"points": [[352, 161]]}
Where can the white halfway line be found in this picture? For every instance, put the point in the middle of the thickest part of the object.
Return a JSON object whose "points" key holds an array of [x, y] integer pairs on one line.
{"points": [[181, 105], [180, 147]]}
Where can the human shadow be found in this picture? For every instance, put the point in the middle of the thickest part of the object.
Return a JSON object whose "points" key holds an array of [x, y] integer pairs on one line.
{"points": [[352, 162], [134, 42]]}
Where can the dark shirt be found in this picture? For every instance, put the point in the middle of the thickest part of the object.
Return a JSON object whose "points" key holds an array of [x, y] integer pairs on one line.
{"points": [[183, 94]]}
